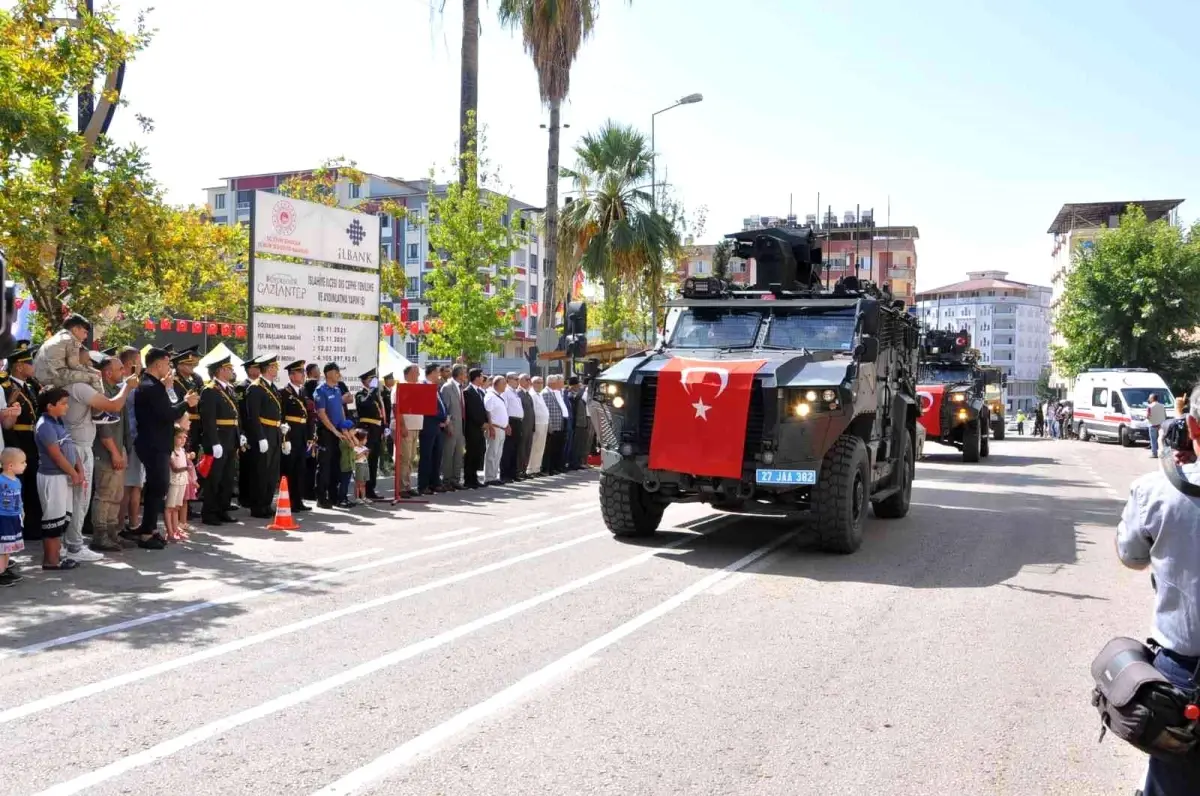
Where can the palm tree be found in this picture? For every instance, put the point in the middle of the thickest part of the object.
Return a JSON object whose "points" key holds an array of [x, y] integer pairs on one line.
{"points": [[553, 31], [612, 231], [468, 103]]}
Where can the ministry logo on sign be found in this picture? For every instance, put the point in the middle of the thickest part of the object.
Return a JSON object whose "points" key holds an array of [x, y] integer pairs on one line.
{"points": [[283, 217], [356, 232]]}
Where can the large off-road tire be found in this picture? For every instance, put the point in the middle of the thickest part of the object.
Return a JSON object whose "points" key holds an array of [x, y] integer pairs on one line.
{"points": [[984, 447], [896, 505], [998, 431], [839, 500], [972, 445], [627, 508]]}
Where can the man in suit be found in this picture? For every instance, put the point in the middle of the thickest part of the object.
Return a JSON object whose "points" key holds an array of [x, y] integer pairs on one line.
{"points": [[476, 420], [294, 462], [264, 419], [453, 454], [525, 443], [371, 416], [433, 432], [312, 379], [156, 417], [20, 393], [388, 394], [220, 436], [557, 426], [247, 477], [579, 424]]}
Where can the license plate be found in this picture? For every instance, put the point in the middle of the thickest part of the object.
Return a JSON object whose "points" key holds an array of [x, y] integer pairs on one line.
{"points": [[797, 477]]}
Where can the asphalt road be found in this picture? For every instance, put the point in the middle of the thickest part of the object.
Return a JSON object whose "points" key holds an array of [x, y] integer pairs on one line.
{"points": [[506, 644]]}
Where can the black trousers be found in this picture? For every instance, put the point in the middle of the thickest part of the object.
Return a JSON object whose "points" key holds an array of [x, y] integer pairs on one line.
{"points": [[266, 477], [473, 457], [512, 444], [329, 470], [218, 486], [552, 458], [374, 450], [310, 483], [248, 476], [294, 467], [154, 492]]}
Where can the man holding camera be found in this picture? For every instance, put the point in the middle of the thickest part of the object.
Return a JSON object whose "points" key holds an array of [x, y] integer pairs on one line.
{"points": [[1160, 529]]}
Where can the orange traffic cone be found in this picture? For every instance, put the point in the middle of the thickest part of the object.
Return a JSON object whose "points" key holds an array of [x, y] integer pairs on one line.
{"points": [[284, 521]]}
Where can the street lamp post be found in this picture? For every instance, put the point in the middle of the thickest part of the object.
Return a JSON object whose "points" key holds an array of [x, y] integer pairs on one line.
{"points": [[688, 100]]}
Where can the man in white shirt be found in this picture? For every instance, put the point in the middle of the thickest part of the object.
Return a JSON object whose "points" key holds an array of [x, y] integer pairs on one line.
{"points": [[1156, 415], [499, 430], [410, 432], [516, 421], [541, 421]]}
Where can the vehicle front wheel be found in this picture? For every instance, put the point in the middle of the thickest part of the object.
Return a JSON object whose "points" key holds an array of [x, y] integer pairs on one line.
{"points": [[839, 500], [627, 508], [1123, 436], [896, 505], [972, 446]]}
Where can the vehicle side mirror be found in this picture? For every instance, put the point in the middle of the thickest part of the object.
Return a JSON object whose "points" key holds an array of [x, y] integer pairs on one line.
{"points": [[868, 317], [867, 350]]}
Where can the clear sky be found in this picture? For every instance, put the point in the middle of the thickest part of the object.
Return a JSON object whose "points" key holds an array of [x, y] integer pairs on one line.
{"points": [[978, 119]]}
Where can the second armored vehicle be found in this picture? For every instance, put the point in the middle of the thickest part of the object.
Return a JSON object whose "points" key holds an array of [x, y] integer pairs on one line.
{"points": [[785, 396], [951, 390]]}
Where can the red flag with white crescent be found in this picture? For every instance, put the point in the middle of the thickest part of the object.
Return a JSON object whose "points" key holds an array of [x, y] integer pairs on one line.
{"points": [[700, 416], [930, 397]]}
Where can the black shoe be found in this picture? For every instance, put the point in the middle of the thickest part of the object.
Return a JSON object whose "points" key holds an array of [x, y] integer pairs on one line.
{"points": [[10, 578], [373, 496], [323, 505], [302, 507], [211, 521], [155, 542], [262, 515], [346, 504], [226, 518]]}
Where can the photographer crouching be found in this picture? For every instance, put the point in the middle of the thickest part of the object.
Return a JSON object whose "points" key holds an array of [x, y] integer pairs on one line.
{"points": [[1160, 528]]}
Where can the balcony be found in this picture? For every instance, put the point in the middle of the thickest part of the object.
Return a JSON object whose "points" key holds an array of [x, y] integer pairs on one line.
{"points": [[243, 209]]}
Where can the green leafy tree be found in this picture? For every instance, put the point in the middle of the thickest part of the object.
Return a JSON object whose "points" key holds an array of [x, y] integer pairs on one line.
{"points": [[472, 245], [1043, 390], [1132, 299], [77, 208], [722, 253], [553, 31], [320, 187]]}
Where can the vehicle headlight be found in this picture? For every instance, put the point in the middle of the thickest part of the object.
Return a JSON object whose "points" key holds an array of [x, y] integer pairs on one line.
{"points": [[962, 414], [618, 402], [958, 397], [809, 400]]}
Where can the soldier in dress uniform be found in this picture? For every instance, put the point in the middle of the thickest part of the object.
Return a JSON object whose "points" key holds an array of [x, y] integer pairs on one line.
{"points": [[264, 418], [20, 391], [187, 381], [371, 416], [388, 393], [220, 435], [294, 462], [247, 489]]}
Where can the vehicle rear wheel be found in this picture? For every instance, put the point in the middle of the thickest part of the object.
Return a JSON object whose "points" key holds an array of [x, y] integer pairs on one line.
{"points": [[998, 431], [896, 505], [972, 447], [627, 508], [1123, 436], [840, 496], [984, 447]]}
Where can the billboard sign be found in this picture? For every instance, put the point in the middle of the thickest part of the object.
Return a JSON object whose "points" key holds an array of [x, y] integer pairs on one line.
{"points": [[295, 228], [315, 288]]}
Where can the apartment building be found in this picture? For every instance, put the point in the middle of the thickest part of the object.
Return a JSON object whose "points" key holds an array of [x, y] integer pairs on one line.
{"points": [[697, 260], [1009, 323], [403, 240], [1074, 229]]}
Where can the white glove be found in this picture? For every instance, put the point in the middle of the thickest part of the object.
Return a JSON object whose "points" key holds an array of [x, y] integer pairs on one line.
{"points": [[287, 448], [284, 429], [387, 432], [262, 446], [218, 451], [243, 441]]}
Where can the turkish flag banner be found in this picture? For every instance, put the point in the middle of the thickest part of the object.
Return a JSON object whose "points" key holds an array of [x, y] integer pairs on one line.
{"points": [[416, 399], [930, 397], [700, 416]]}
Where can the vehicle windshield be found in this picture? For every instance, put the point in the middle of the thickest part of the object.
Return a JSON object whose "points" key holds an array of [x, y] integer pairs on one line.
{"points": [[1138, 397], [715, 328], [945, 373], [814, 328]]}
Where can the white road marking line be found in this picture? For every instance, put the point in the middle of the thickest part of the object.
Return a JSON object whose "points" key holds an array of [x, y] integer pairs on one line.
{"points": [[246, 596], [313, 690], [426, 742], [451, 534], [526, 518], [956, 508], [748, 573], [348, 556], [74, 694]]}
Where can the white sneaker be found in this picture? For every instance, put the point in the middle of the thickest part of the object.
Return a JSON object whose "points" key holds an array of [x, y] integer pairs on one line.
{"points": [[86, 554]]}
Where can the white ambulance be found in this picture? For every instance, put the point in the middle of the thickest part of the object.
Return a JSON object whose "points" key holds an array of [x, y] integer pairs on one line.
{"points": [[1111, 404]]}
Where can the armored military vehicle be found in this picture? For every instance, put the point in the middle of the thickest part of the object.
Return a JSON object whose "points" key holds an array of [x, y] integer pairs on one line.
{"points": [[784, 397], [953, 407], [995, 393]]}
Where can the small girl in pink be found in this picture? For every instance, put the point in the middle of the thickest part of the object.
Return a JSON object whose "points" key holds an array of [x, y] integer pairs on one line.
{"points": [[177, 486]]}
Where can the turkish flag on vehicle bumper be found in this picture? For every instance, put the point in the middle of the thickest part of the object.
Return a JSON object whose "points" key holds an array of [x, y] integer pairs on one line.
{"points": [[700, 416], [931, 397]]}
